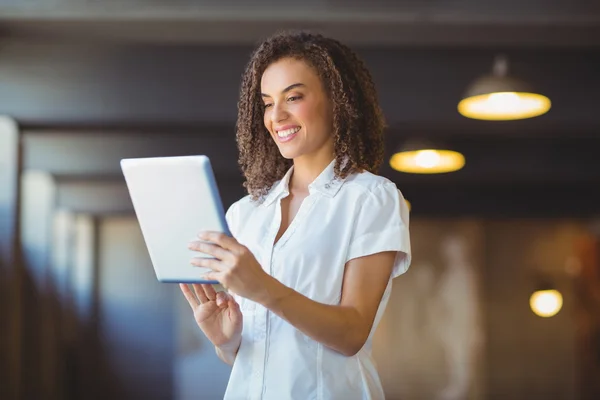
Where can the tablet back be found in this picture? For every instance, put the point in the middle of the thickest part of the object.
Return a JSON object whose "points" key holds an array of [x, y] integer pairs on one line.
{"points": [[174, 198]]}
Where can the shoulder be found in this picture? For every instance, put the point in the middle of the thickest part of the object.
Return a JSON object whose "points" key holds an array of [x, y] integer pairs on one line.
{"points": [[366, 192], [368, 185], [244, 204], [239, 211]]}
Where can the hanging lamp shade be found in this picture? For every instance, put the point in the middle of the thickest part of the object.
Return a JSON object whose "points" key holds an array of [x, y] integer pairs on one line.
{"points": [[426, 157], [499, 97]]}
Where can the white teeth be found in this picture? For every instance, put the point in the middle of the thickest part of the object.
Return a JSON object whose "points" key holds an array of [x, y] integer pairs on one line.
{"points": [[288, 132]]}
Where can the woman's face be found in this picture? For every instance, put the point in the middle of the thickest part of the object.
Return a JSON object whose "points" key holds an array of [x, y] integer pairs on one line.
{"points": [[298, 112]]}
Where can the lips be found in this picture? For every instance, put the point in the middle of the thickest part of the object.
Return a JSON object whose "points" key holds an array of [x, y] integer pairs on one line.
{"points": [[287, 133]]}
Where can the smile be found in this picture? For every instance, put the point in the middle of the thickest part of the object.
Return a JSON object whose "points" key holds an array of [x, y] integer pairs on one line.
{"points": [[287, 134]]}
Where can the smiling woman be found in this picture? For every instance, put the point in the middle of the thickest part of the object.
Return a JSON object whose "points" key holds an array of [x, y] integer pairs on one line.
{"points": [[322, 82], [298, 116], [319, 237]]}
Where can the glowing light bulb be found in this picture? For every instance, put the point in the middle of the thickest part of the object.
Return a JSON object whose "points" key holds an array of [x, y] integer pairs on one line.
{"points": [[427, 161], [427, 158], [546, 303], [504, 106], [503, 102]]}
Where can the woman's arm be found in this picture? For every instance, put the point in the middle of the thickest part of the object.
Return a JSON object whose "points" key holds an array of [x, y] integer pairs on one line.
{"points": [[345, 327]]}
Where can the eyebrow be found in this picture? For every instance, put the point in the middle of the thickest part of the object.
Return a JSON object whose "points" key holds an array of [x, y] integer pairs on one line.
{"points": [[287, 89]]}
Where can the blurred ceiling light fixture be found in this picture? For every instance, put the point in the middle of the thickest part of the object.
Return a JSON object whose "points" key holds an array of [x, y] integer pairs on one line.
{"points": [[498, 97], [426, 158], [546, 301]]}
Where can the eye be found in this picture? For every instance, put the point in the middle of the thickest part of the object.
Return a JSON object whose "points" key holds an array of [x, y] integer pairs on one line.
{"points": [[267, 105], [294, 98]]}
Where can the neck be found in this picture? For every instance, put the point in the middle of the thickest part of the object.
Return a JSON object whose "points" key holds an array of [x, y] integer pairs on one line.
{"points": [[307, 169]]}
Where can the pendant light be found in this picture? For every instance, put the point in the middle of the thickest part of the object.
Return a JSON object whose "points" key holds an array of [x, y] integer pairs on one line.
{"points": [[426, 157], [546, 301], [500, 97]]}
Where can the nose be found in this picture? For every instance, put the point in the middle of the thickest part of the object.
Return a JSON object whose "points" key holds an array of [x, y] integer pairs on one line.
{"points": [[279, 113]]}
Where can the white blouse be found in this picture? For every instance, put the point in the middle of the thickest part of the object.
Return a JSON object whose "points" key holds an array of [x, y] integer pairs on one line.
{"points": [[339, 220]]}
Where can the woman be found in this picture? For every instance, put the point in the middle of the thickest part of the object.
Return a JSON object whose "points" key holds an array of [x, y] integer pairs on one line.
{"points": [[318, 239]]}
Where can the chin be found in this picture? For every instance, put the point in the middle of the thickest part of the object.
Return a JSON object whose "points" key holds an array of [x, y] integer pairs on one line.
{"points": [[288, 155], [289, 152]]}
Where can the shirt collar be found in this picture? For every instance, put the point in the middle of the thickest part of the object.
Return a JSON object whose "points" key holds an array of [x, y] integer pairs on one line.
{"points": [[326, 183], [280, 187]]}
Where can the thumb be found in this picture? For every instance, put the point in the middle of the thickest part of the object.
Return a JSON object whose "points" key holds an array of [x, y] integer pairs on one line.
{"points": [[224, 299], [234, 310]]}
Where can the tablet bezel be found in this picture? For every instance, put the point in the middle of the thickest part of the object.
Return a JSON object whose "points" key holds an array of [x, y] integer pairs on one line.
{"points": [[205, 168]]}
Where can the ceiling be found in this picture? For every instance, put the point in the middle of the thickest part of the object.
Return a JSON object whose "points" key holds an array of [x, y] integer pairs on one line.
{"points": [[74, 68], [380, 22]]}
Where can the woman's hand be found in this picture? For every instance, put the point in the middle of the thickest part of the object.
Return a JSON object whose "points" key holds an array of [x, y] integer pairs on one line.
{"points": [[217, 314], [233, 265]]}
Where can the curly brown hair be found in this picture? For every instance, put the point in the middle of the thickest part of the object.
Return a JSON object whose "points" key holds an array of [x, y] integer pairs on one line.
{"points": [[358, 121]]}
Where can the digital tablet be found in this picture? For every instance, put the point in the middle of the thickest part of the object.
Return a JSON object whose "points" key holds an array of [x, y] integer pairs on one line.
{"points": [[174, 198]]}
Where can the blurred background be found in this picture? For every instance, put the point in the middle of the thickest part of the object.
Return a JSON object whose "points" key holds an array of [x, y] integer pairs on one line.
{"points": [[503, 297]]}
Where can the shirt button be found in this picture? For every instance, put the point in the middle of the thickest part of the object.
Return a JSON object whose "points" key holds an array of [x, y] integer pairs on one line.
{"points": [[327, 186]]}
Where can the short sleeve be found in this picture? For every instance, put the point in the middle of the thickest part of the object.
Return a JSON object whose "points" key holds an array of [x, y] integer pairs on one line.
{"points": [[232, 218], [382, 225]]}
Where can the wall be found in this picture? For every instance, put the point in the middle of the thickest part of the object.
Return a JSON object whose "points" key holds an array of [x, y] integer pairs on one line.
{"points": [[430, 344], [459, 326], [529, 357], [147, 332], [136, 324]]}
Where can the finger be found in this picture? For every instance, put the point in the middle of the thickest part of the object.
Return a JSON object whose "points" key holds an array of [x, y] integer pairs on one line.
{"points": [[200, 293], [223, 240], [211, 263], [189, 296], [210, 249], [212, 276], [209, 291], [233, 302], [234, 309], [222, 299]]}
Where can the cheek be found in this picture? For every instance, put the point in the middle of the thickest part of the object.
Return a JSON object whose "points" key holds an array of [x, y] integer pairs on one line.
{"points": [[310, 114]]}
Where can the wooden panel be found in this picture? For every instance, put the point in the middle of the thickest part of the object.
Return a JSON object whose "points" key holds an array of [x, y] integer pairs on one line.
{"points": [[529, 357], [87, 372], [585, 269], [41, 328], [10, 291], [136, 318]]}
